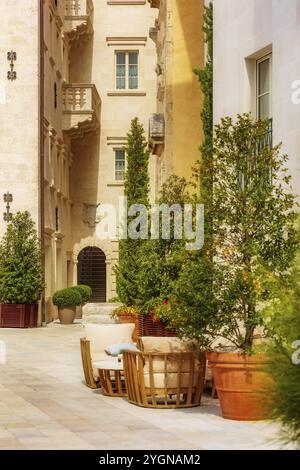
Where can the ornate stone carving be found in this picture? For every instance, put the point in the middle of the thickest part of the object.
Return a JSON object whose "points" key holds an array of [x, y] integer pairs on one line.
{"points": [[90, 216]]}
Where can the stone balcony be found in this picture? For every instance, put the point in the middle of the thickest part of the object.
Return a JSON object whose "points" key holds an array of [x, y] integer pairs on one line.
{"points": [[79, 19], [81, 109]]}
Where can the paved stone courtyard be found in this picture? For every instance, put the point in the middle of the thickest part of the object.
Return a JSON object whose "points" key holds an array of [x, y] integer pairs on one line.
{"points": [[45, 405]]}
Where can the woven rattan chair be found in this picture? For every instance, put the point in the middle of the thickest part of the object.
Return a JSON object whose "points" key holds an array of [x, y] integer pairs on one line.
{"points": [[97, 338], [164, 380]]}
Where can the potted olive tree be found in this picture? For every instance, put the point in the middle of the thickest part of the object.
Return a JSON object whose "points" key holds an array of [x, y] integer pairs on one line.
{"points": [[21, 274], [66, 301], [219, 297], [253, 234]]}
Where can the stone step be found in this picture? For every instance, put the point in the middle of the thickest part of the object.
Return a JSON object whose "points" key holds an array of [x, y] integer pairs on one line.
{"points": [[98, 313]]}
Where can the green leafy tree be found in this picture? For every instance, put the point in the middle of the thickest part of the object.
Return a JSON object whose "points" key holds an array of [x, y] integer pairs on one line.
{"points": [[205, 77], [136, 191], [283, 321], [161, 260], [192, 303], [253, 234], [253, 229], [21, 274]]}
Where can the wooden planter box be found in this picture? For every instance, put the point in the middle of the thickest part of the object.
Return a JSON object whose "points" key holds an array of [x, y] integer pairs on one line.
{"points": [[18, 315], [149, 326]]}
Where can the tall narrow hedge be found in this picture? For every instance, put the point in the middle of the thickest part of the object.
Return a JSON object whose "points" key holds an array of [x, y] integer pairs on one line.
{"points": [[136, 191]]}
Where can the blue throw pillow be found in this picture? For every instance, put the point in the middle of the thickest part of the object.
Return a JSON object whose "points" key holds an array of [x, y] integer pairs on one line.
{"points": [[117, 349]]}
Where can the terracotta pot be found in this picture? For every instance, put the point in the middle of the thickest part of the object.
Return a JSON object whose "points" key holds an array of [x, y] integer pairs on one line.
{"points": [[242, 383], [67, 315], [18, 315], [124, 317], [79, 312]]}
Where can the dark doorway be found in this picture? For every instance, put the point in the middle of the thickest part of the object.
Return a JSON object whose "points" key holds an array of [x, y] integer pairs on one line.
{"points": [[92, 272]]}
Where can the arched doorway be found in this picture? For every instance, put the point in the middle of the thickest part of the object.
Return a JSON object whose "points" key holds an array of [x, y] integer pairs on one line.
{"points": [[92, 272]]}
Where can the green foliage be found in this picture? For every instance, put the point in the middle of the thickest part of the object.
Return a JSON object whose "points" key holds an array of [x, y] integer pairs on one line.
{"points": [[136, 191], [161, 260], [85, 292], [283, 319], [253, 223], [66, 298], [205, 77], [123, 309], [21, 274], [191, 306]]}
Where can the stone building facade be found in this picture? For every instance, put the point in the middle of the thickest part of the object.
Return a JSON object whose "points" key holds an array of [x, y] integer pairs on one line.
{"points": [[257, 68], [175, 126], [99, 73]]}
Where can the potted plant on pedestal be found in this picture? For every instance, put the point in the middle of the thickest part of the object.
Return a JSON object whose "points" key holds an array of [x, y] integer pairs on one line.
{"points": [[86, 295], [67, 300], [21, 274]]}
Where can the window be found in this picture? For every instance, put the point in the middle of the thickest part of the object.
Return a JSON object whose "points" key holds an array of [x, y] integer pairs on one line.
{"points": [[56, 219], [119, 165], [127, 70], [264, 91], [55, 95]]}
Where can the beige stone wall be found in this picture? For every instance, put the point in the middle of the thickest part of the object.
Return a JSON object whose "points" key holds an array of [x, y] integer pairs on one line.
{"points": [[92, 176], [19, 108], [180, 50], [58, 159], [85, 119]]}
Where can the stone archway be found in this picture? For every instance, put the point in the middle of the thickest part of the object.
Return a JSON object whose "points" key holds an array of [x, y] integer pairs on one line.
{"points": [[91, 270]]}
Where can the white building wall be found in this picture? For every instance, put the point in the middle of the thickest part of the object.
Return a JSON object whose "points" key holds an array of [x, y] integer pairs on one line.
{"points": [[244, 31]]}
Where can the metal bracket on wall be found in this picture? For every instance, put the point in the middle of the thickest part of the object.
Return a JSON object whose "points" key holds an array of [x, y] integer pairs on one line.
{"points": [[12, 57], [8, 198]]}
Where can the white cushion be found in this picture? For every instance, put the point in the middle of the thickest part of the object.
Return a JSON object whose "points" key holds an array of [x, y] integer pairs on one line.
{"points": [[156, 344], [102, 336]]}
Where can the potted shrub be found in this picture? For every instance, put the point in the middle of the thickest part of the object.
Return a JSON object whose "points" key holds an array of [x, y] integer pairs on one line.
{"points": [[160, 265], [66, 301], [219, 297], [252, 234], [21, 274], [86, 295]]}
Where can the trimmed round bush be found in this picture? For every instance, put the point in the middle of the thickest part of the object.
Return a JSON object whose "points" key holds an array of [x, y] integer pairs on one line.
{"points": [[85, 292], [66, 298]]}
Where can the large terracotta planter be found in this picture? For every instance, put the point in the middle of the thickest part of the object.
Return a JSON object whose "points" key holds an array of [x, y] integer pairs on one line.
{"points": [[242, 383], [18, 315], [124, 317], [67, 315]]}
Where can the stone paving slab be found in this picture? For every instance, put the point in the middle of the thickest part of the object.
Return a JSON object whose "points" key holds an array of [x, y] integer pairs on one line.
{"points": [[44, 404]]}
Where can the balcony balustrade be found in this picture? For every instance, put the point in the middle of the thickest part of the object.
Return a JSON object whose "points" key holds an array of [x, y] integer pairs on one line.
{"points": [[79, 18], [81, 109]]}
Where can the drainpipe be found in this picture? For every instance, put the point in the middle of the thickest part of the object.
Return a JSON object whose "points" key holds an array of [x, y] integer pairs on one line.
{"points": [[41, 149]]}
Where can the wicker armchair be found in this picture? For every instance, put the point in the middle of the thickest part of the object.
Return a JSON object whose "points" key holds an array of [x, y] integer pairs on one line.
{"points": [[164, 380], [97, 338]]}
